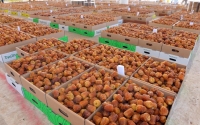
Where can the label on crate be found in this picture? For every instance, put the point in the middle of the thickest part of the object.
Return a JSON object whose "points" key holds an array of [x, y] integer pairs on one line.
{"points": [[113, 25], [18, 28], [108, 4], [51, 11], [95, 6], [191, 23], [138, 13], [98, 32], [9, 56], [66, 4], [30, 19], [81, 16], [120, 21], [120, 70], [181, 17], [155, 30], [44, 22], [129, 9], [31, 6]]}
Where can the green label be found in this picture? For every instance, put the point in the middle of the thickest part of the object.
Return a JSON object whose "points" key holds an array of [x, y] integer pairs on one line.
{"points": [[64, 39], [17, 56]]}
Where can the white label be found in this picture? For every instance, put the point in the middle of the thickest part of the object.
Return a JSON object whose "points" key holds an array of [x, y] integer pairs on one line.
{"points": [[129, 9], [120, 70], [66, 5], [46, 3], [9, 56], [181, 17], [191, 23], [155, 30], [31, 6], [98, 32], [192, 11], [113, 25], [108, 4], [81, 16], [120, 21], [138, 13], [18, 28], [95, 6], [51, 11]]}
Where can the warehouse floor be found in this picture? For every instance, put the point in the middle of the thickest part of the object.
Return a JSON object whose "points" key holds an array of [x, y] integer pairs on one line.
{"points": [[15, 110]]}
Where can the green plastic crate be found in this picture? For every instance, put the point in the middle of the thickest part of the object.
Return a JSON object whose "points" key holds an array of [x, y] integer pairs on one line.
{"points": [[64, 39], [36, 20], [87, 33], [74, 30], [107, 41], [126, 46], [54, 25]]}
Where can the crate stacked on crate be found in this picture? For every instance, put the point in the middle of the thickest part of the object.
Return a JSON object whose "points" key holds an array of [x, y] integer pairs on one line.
{"points": [[168, 44]]}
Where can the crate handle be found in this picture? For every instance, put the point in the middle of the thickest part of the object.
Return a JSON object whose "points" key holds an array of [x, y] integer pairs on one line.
{"points": [[128, 17], [35, 101], [172, 59], [174, 50], [65, 114], [60, 123], [13, 84], [85, 32], [73, 24], [127, 39], [108, 35], [32, 90], [148, 44], [124, 46], [146, 52], [22, 54], [107, 42], [64, 22], [12, 73], [74, 30], [85, 26], [63, 27], [54, 20]]}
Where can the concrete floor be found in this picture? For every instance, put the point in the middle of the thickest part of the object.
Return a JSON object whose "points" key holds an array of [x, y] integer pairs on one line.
{"points": [[15, 110]]}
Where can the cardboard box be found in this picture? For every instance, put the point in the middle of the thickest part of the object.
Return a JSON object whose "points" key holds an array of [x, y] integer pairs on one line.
{"points": [[148, 52], [139, 83], [36, 91], [126, 39], [144, 19], [111, 36], [8, 52], [160, 25], [63, 111], [182, 52], [11, 72], [150, 45], [14, 84], [96, 27], [186, 29], [174, 58], [20, 52], [55, 35]]}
